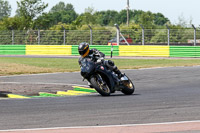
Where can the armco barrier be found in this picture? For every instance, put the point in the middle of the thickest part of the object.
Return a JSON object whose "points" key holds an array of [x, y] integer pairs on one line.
{"points": [[184, 51], [103, 48], [12, 49], [48, 49], [159, 51]]}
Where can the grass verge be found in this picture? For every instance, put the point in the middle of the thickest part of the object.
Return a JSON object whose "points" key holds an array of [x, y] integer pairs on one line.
{"points": [[16, 65]]}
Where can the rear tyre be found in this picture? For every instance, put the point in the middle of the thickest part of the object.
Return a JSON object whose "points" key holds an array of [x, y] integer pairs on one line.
{"points": [[128, 88], [101, 88]]}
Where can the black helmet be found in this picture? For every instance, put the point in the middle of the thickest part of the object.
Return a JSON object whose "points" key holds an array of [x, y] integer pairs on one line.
{"points": [[83, 49]]}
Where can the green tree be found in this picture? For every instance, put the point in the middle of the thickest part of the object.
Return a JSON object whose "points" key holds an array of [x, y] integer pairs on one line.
{"points": [[136, 15], [147, 20], [61, 25], [60, 13], [109, 17], [5, 9], [122, 17], [160, 19], [15, 23], [61, 6], [64, 13], [30, 10], [88, 17], [45, 21]]}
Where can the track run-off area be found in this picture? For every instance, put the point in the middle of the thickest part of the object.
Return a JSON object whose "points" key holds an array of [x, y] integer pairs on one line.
{"points": [[165, 100]]}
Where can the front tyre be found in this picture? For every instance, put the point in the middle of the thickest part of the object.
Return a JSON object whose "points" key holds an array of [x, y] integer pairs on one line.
{"points": [[128, 87], [100, 86]]}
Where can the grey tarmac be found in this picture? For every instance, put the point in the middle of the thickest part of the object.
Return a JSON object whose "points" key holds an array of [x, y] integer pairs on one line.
{"points": [[162, 95]]}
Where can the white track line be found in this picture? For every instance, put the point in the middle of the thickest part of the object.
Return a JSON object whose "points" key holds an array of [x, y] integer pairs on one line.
{"points": [[126, 125], [79, 71], [42, 83], [37, 74]]}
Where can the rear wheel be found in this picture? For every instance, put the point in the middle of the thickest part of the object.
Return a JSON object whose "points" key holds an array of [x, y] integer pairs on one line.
{"points": [[100, 86], [128, 88]]}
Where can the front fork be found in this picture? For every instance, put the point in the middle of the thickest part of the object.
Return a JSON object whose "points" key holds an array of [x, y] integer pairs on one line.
{"points": [[100, 80]]}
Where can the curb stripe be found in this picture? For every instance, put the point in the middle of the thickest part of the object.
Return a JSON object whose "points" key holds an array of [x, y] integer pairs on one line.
{"points": [[16, 96], [45, 94], [85, 90], [78, 92], [75, 92], [77, 88], [68, 93]]}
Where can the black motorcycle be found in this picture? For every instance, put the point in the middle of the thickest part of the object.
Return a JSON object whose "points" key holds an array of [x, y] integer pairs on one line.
{"points": [[104, 80]]}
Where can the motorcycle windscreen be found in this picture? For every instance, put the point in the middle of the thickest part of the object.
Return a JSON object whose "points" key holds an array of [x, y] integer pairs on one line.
{"points": [[87, 67]]}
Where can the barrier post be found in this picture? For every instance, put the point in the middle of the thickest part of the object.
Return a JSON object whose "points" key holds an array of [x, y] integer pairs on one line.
{"points": [[194, 34], [168, 35], [13, 37], [111, 50], [118, 33], [90, 34], [64, 35], [38, 36], [142, 33]]}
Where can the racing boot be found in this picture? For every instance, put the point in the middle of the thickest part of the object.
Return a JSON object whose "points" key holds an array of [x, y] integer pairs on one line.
{"points": [[118, 72]]}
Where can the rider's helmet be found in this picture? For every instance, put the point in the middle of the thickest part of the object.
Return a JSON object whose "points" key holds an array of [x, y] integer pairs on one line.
{"points": [[83, 49]]}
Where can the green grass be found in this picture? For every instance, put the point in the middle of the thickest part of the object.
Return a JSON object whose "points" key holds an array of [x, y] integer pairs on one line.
{"points": [[12, 65], [149, 63]]}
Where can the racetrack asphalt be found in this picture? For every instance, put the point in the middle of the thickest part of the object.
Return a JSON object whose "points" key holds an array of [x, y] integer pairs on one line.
{"points": [[162, 95]]}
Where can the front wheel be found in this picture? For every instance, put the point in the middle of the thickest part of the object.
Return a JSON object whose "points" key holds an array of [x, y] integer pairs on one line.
{"points": [[128, 87], [100, 86]]}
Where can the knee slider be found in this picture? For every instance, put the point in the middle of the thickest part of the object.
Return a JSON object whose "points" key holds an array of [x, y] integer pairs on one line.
{"points": [[111, 63]]}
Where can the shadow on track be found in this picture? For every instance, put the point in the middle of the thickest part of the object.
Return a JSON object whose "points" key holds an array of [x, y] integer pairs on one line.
{"points": [[113, 95]]}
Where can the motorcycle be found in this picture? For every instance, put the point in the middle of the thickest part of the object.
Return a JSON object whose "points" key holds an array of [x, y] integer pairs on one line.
{"points": [[104, 80]]}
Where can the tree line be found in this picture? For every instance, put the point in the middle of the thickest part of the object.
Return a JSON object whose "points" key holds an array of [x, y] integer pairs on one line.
{"points": [[30, 15]]}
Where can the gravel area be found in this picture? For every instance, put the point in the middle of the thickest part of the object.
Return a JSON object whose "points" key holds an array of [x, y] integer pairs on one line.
{"points": [[32, 89]]}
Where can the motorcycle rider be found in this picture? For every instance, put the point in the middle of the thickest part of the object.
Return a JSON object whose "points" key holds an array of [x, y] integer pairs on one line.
{"points": [[96, 56]]}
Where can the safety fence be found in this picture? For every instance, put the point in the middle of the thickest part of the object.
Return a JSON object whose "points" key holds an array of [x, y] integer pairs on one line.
{"points": [[102, 37], [154, 51]]}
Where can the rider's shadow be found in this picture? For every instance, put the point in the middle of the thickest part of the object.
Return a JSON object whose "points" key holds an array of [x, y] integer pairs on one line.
{"points": [[113, 95]]}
